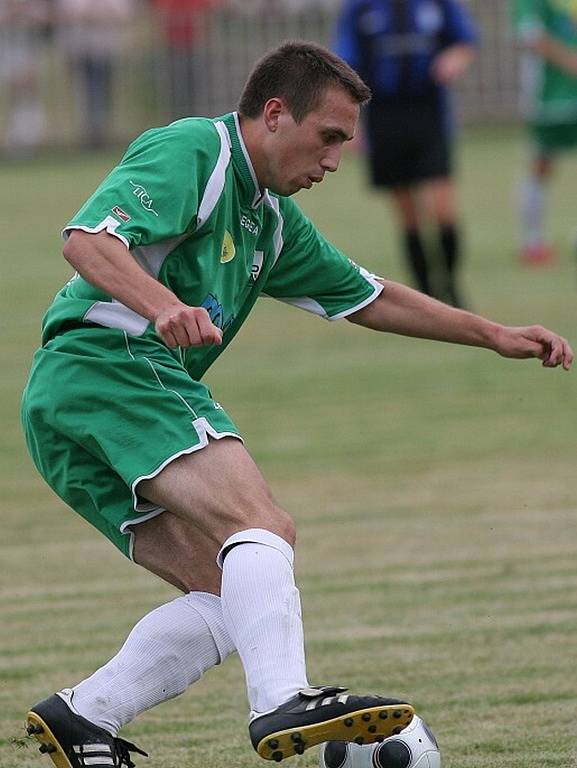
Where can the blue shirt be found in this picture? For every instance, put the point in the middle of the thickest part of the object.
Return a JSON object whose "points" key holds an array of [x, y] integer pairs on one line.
{"points": [[392, 43]]}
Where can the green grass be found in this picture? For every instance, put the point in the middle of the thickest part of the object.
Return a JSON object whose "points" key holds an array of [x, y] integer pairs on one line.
{"points": [[433, 487]]}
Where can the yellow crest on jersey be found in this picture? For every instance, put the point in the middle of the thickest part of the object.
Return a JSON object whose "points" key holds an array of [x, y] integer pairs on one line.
{"points": [[228, 250], [567, 6]]}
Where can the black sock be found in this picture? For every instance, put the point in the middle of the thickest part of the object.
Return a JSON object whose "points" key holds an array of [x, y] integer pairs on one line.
{"points": [[450, 247], [450, 242], [417, 260]]}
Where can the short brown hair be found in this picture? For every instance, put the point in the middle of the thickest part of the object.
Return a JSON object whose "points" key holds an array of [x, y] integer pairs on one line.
{"points": [[299, 72]]}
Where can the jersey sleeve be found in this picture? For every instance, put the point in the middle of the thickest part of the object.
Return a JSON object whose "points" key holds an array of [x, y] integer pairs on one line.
{"points": [[312, 274], [153, 194]]}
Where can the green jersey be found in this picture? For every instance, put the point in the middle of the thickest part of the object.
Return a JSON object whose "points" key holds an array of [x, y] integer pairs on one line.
{"points": [[550, 93], [186, 202]]}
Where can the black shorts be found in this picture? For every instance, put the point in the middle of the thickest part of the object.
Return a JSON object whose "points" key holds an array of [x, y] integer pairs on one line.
{"points": [[407, 143]]}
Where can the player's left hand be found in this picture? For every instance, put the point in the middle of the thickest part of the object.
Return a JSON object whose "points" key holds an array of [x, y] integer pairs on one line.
{"points": [[451, 63], [535, 341]]}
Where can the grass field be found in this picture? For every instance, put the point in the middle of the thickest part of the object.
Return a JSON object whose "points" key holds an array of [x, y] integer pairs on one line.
{"points": [[433, 488]]}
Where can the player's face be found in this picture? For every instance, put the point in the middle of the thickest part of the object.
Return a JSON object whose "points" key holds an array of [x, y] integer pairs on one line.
{"points": [[299, 154]]}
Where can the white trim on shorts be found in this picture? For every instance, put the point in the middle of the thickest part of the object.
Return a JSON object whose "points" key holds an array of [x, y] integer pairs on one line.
{"points": [[203, 430]]}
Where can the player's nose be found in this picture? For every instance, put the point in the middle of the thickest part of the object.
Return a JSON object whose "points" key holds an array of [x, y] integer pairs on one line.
{"points": [[331, 160]]}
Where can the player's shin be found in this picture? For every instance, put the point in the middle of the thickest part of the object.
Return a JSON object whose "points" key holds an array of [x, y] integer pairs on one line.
{"points": [[168, 650], [261, 609]]}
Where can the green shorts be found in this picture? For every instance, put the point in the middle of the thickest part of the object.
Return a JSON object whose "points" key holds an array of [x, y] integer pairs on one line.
{"points": [[554, 138], [103, 410]]}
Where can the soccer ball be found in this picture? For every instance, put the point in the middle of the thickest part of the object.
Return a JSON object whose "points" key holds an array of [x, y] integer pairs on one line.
{"points": [[414, 747]]}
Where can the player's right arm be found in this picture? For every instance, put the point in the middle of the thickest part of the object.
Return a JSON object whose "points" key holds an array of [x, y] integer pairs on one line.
{"points": [[553, 51], [533, 37], [105, 262]]}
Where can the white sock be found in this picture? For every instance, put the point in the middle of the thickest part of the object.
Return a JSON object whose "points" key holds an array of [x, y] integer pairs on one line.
{"points": [[532, 203], [262, 612], [168, 650]]}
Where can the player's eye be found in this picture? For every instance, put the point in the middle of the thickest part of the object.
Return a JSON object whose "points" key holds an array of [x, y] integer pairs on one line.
{"points": [[332, 138]]}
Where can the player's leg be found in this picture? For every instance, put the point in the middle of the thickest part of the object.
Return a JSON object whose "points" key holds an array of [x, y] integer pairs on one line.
{"points": [[171, 647], [435, 168], [441, 202], [535, 246], [168, 649], [392, 135], [406, 206], [221, 491]]}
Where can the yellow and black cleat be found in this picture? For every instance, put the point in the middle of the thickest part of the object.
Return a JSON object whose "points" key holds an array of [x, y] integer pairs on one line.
{"points": [[73, 742], [326, 713]]}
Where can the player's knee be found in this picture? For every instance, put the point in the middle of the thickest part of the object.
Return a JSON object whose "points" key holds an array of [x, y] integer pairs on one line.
{"points": [[273, 519], [286, 527]]}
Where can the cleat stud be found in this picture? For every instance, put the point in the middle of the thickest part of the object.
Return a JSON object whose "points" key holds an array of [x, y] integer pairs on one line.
{"points": [[397, 730], [43, 748], [348, 722], [273, 743], [372, 729], [397, 713], [32, 729], [383, 715], [50, 748], [296, 737], [359, 740], [379, 738], [366, 717], [299, 748], [277, 756]]}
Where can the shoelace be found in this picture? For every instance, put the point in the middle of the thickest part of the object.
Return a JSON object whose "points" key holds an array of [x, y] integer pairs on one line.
{"points": [[123, 749]]}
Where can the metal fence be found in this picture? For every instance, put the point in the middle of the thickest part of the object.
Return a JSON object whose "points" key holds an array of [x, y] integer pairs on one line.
{"points": [[50, 95]]}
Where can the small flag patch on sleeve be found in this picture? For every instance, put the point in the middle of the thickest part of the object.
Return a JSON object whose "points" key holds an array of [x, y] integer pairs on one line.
{"points": [[120, 213]]}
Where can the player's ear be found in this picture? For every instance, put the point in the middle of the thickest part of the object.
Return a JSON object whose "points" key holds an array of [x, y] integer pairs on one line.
{"points": [[271, 113]]}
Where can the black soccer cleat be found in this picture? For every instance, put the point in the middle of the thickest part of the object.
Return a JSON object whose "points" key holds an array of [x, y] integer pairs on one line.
{"points": [[73, 742], [326, 713]]}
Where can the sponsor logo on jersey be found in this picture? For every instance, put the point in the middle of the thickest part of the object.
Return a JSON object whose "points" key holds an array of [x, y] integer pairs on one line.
{"points": [[117, 210], [228, 250], [145, 200], [567, 6], [257, 263], [249, 224], [216, 312]]}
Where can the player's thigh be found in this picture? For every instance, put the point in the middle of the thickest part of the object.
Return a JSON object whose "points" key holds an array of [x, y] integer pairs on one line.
{"points": [[178, 552], [440, 199], [406, 204], [220, 490]]}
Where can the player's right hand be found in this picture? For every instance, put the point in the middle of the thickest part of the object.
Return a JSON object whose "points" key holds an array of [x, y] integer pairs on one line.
{"points": [[184, 326]]}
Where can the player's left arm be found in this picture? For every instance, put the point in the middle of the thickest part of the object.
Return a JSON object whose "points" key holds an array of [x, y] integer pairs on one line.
{"points": [[402, 310], [460, 40], [552, 50], [449, 65]]}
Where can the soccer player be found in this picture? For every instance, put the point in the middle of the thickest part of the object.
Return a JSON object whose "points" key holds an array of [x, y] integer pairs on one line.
{"points": [[171, 252], [410, 52], [547, 31]]}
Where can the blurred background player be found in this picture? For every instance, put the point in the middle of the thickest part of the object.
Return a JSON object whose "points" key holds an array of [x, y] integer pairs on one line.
{"points": [[547, 31], [25, 30], [181, 22], [94, 36], [409, 52]]}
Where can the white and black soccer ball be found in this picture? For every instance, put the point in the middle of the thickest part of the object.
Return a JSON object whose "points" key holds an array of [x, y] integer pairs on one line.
{"points": [[414, 747]]}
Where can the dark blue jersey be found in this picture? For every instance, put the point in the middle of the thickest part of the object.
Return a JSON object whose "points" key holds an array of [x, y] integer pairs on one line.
{"points": [[392, 43]]}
